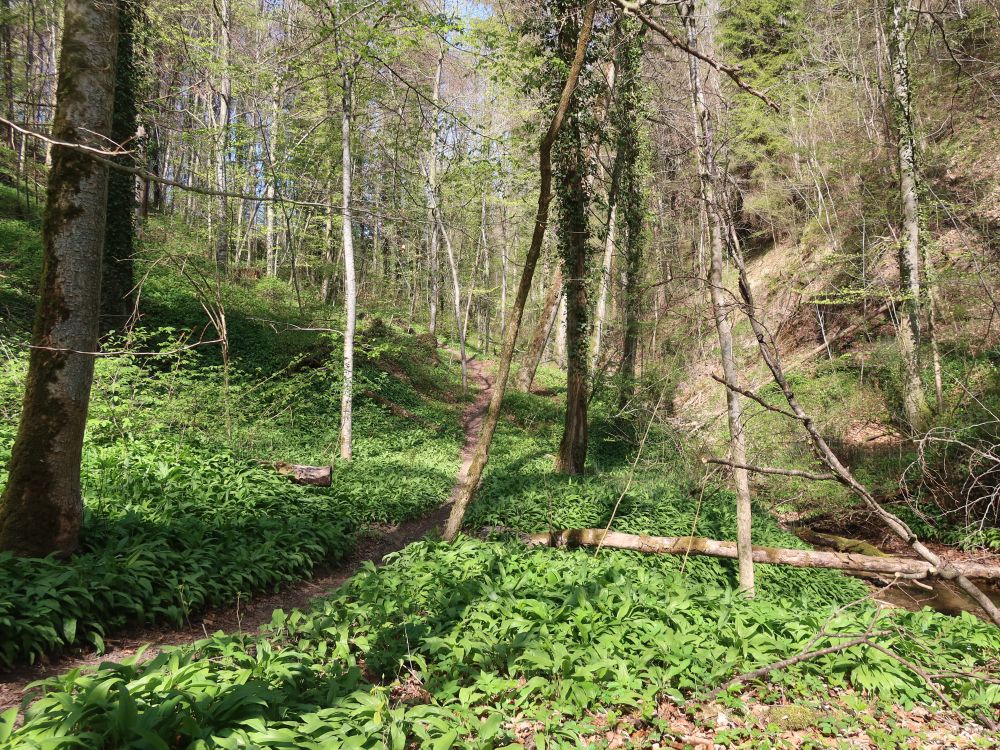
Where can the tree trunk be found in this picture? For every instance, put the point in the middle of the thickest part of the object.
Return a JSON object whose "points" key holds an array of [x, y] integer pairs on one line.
{"points": [[432, 188], [222, 154], [7, 52], [632, 198], [708, 176], [475, 474], [456, 292], [118, 276], [546, 318], [573, 243], [601, 314], [914, 400], [907, 567], [41, 509], [350, 284], [270, 242]]}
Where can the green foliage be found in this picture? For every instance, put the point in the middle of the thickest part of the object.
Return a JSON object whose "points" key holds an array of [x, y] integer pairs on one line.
{"points": [[445, 644], [767, 37], [183, 510], [521, 491]]}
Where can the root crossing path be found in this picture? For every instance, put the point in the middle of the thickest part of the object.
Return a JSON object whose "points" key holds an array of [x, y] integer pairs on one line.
{"points": [[372, 545]]}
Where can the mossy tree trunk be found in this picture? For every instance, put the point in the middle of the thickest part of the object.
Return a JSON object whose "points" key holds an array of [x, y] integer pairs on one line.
{"points": [[41, 508], [118, 276], [914, 399], [482, 453], [573, 243], [627, 121]]}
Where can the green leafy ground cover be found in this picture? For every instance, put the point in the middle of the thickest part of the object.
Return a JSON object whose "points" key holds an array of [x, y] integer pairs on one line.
{"points": [[477, 643], [182, 512]]}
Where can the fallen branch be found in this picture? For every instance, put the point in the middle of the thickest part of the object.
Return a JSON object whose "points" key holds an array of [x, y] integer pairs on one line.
{"points": [[770, 470], [903, 567], [771, 357], [785, 663]]}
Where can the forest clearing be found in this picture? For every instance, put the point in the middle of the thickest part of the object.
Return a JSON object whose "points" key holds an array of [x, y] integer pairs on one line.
{"points": [[432, 373]]}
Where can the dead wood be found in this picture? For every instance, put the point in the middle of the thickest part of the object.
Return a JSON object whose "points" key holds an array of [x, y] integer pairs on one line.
{"points": [[903, 567], [318, 476], [839, 543]]}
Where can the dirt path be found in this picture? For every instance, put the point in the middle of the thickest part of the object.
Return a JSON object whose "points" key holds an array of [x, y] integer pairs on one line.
{"points": [[373, 544]]}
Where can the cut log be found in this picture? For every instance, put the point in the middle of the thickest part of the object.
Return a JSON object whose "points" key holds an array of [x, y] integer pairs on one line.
{"points": [[319, 476], [905, 567]]}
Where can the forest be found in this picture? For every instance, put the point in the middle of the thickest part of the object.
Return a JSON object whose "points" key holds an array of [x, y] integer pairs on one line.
{"points": [[396, 374]]}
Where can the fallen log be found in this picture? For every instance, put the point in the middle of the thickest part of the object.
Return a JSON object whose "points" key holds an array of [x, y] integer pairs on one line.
{"points": [[318, 476], [838, 543], [903, 567]]}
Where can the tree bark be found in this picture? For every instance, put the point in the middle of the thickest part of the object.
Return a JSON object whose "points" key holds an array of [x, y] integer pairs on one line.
{"points": [[573, 242], [118, 276], [601, 313], [222, 153], [633, 203], [317, 476], [350, 284], [479, 459], [708, 176], [432, 188], [907, 567], [546, 318], [7, 52], [42, 508], [914, 399], [456, 292]]}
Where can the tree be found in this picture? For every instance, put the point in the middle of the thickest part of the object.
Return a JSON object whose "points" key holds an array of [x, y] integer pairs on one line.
{"points": [[572, 187], [224, 95], [117, 278], [350, 283], [914, 399], [41, 509], [546, 317], [631, 152], [481, 455], [719, 232]]}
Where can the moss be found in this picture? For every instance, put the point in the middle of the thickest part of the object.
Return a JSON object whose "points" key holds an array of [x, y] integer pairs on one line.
{"points": [[794, 718]]}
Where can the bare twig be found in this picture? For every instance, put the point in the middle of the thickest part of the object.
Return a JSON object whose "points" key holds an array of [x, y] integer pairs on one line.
{"points": [[771, 470]]}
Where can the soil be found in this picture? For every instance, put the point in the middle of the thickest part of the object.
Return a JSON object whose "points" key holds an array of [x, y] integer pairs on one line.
{"points": [[372, 545]]}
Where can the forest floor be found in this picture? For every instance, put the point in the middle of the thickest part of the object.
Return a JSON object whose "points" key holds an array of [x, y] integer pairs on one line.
{"points": [[373, 544]]}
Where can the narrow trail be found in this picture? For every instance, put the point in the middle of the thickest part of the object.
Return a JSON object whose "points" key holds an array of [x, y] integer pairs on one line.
{"points": [[372, 545]]}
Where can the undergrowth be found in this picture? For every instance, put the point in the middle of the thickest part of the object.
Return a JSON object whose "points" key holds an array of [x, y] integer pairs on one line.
{"points": [[465, 645], [183, 509]]}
